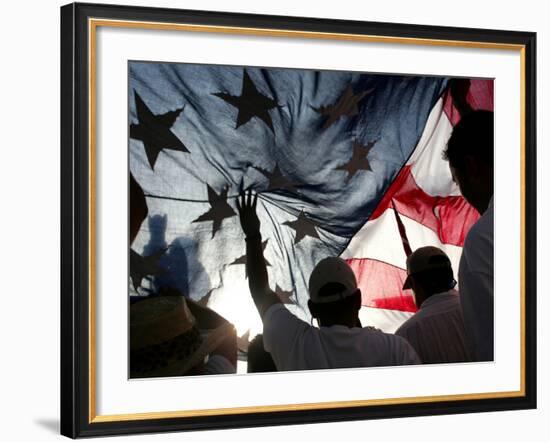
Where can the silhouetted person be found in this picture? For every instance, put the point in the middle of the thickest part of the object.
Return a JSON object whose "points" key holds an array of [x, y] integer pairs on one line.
{"points": [[470, 155], [259, 360], [436, 330], [335, 300], [157, 234]]}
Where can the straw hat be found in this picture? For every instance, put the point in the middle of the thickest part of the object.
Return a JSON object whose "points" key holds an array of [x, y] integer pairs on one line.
{"points": [[165, 339]]}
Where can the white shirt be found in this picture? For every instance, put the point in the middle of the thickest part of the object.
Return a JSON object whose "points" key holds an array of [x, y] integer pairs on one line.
{"points": [[476, 286], [436, 330], [296, 345]]}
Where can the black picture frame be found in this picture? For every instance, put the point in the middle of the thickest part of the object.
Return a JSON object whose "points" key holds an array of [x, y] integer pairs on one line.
{"points": [[77, 419]]}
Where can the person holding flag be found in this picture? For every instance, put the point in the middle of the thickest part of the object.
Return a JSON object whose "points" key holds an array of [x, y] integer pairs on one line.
{"points": [[335, 300]]}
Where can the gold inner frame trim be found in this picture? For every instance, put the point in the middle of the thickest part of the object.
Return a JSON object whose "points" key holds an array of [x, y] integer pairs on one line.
{"points": [[93, 24]]}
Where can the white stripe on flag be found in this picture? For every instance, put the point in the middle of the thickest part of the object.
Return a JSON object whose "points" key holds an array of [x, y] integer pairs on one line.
{"points": [[380, 240], [429, 169]]}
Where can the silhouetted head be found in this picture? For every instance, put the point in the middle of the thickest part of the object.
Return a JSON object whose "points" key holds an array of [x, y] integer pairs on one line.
{"points": [[470, 152], [259, 360], [429, 271], [334, 296]]}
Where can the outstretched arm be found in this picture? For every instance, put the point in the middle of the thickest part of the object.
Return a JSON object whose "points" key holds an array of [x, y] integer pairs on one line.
{"points": [[258, 282]]}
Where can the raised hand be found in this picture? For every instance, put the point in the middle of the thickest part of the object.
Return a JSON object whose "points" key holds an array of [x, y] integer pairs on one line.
{"points": [[258, 281], [246, 205]]}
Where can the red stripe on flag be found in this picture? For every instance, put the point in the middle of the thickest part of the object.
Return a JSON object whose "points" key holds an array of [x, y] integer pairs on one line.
{"points": [[450, 217], [381, 285]]}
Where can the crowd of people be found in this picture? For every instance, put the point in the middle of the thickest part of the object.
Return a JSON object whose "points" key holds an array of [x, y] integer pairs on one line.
{"points": [[172, 335]]}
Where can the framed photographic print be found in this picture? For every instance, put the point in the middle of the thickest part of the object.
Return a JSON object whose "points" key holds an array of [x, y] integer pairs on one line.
{"points": [[275, 220]]}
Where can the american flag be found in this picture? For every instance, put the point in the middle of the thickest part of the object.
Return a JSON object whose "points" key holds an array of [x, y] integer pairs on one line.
{"points": [[345, 164]]}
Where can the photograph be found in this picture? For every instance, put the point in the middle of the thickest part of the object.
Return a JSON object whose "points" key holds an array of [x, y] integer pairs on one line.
{"points": [[274, 220], [291, 219]]}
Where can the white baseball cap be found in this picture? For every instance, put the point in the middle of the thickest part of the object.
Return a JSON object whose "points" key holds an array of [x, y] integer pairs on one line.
{"points": [[331, 269]]}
